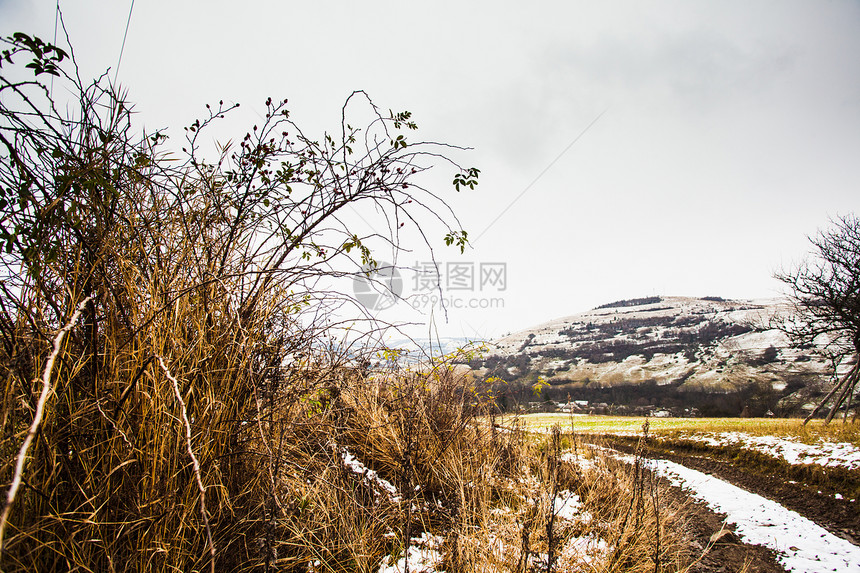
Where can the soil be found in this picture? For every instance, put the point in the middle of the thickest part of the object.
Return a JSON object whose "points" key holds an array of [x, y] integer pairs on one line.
{"points": [[814, 501], [719, 548]]}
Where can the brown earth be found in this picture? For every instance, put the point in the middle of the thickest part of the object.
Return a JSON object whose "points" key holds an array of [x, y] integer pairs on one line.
{"points": [[808, 491], [719, 548]]}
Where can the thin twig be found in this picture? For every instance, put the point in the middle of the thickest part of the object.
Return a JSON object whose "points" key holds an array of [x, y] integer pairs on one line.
{"points": [[37, 418], [203, 512]]}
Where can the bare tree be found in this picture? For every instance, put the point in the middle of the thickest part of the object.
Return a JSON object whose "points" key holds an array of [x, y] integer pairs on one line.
{"points": [[825, 294]]}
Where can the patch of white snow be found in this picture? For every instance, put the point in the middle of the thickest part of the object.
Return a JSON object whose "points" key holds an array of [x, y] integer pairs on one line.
{"points": [[584, 549], [370, 475], [566, 505], [422, 556], [824, 453]]}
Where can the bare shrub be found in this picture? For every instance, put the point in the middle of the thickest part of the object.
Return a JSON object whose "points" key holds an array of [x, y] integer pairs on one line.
{"points": [[215, 267], [207, 410]]}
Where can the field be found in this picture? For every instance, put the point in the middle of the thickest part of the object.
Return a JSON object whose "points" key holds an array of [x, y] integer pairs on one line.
{"points": [[812, 433]]}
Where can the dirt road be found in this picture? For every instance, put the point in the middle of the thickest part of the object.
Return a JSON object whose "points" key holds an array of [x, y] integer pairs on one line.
{"points": [[807, 491]]}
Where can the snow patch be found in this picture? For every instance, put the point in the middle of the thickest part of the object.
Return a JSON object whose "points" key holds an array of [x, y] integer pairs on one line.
{"points": [[369, 475], [567, 505], [584, 549], [422, 555], [824, 453], [579, 460]]}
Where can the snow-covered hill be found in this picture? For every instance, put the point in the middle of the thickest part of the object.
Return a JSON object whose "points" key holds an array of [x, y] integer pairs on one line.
{"points": [[671, 345]]}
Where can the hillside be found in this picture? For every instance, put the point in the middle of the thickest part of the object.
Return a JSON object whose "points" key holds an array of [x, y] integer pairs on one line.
{"points": [[678, 353]]}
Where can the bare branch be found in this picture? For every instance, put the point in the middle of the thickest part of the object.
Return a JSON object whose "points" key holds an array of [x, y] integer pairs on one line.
{"points": [[37, 418], [203, 513], [825, 295]]}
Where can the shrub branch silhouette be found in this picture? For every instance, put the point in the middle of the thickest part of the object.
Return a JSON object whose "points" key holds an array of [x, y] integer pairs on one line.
{"points": [[228, 266], [825, 308]]}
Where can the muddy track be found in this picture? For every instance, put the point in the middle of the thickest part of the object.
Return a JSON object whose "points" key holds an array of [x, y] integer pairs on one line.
{"points": [[814, 501], [803, 490], [720, 550]]}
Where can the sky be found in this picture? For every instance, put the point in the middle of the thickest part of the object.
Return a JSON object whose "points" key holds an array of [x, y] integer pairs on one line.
{"points": [[627, 149]]}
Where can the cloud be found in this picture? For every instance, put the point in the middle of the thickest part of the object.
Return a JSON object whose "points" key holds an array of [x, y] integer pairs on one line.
{"points": [[696, 70]]}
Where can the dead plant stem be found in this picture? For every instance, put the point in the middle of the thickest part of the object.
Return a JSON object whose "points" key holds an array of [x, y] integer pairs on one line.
{"points": [[37, 418], [196, 463]]}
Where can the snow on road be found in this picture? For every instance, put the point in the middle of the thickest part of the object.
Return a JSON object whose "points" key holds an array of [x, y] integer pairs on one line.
{"points": [[802, 545], [824, 453]]}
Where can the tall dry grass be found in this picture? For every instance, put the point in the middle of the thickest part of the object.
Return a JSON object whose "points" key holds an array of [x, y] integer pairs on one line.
{"points": [[110, 484], [489, 492], [278, 493], [200, 414]]}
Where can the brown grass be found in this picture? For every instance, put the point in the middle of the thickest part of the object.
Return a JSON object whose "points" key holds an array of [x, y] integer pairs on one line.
{"points": [[281, 498], [200, 408]]}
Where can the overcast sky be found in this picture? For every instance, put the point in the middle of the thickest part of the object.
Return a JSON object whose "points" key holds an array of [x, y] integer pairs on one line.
{"points": [[729, 130]]}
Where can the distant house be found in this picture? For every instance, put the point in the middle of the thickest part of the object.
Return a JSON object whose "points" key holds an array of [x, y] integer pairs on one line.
{"points": [[573, 406]]}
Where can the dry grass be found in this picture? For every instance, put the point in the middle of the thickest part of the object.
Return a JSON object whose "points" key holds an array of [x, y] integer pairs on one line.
{"points": [[490, 493], [281, 498], [200, 411]]}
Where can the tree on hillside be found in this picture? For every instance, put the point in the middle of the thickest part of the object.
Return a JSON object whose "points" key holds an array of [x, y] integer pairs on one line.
{"points": [[825, 294]]}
